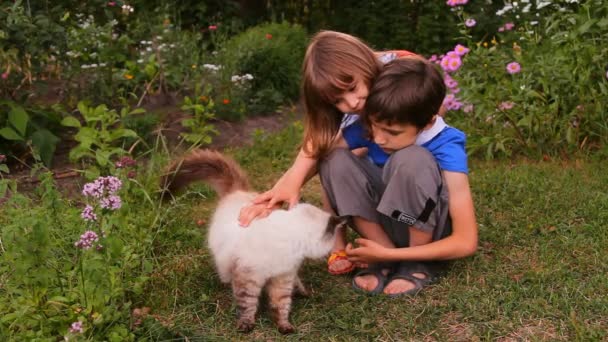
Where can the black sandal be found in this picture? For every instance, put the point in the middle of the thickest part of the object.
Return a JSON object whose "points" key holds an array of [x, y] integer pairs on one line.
{"points": [[376, 270], [406, 270]]}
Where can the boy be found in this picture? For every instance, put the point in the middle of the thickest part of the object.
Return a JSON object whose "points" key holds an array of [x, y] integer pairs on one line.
{"points": [[399, 193]]}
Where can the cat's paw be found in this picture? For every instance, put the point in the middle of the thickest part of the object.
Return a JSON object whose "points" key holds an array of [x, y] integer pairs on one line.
{"points": [[245, 326], [286, 329]]}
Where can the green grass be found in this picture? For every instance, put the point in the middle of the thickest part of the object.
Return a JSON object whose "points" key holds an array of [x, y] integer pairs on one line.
{"points": [[540, 272]]}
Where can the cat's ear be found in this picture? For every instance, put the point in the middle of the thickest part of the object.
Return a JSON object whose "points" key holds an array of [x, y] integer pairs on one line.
{"points": [[336, 222]]}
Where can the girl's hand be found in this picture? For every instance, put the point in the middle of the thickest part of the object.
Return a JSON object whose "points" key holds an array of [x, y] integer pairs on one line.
{"points": [[285, 191], [368, 251], [251, 212]]}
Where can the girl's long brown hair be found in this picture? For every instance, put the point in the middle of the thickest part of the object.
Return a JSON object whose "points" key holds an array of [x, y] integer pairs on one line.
{"points": [[333, 63]]}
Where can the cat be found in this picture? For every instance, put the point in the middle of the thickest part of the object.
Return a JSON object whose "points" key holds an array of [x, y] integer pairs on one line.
{"points": [[269, 252]]}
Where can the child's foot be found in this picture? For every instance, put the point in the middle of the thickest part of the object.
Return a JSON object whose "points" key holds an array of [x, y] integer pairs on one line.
{"points": [[408, 279], [369, 282], [399, 285], [338, 263]]}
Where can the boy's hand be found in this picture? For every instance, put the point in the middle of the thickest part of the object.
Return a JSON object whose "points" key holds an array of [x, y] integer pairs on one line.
{"points": [[368, 251], [253, 211]]}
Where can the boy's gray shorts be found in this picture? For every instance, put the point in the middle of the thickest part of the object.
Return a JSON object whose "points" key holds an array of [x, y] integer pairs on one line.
{"points": [[408, 191]]}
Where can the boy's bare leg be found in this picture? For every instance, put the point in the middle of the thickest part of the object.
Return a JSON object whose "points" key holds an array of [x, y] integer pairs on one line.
{"points": [[373, 231], [417, 238]]}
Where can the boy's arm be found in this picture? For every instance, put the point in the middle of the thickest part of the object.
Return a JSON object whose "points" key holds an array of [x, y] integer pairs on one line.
{"points": [[462, 242]]}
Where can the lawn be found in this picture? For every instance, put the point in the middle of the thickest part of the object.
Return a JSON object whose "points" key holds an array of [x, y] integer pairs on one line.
{"points": [[539, 274]]}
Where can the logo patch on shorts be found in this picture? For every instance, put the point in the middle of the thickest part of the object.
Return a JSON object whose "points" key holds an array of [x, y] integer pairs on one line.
{"points": [[403, 217]]}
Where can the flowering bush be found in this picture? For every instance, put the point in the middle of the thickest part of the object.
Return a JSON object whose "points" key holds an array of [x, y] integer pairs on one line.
{"points": [[534, 86], [76, 272]]}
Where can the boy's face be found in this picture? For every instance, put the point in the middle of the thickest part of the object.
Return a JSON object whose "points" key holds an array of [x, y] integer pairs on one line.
{"points": [[393, 137]]}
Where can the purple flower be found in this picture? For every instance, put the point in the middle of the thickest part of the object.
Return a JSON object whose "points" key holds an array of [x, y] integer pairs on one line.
{"points": [[110, 183], [93, 189], [88, 214], [506, 105], [450, 64], [111, 202], [76, 328], [451, 102], [87, 239], [433, 58], [450, 82], [461, 50], [470, 22], [101, 185], [453, 3], [513, 68]]}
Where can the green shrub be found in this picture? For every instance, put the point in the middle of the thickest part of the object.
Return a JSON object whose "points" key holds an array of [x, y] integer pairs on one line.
{"points": [[273, 54], [554, 103]]}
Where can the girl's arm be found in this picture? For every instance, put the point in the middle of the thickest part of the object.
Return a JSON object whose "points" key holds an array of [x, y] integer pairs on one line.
{"points": [[461, 243], [287, 188]]}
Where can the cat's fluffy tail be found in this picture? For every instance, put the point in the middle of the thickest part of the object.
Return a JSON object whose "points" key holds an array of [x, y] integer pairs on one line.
{"points": [[222, 173]]}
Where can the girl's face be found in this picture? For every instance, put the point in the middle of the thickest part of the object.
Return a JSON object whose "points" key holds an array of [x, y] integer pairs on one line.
{"points": [[352, 100]]}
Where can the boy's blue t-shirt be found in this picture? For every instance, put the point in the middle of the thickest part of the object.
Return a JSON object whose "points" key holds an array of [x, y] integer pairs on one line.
{"points": [[447, 146]]}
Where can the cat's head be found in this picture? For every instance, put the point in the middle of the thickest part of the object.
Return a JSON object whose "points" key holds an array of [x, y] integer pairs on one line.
{"points": [[333, 224]]}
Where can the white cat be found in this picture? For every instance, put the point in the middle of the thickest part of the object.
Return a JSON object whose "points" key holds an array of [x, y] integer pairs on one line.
{"points": [[267, 253]]}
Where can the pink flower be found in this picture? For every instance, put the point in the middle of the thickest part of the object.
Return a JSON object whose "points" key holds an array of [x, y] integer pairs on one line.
{"points": [[111, 3], [453, 63], [88, 214], [461, 50], [506, 105], [470, 22], [212, 27], [2, 158], [450, 82], [468, 108], [76, 328], [453, 3], [4, 75], [501, 29], [112, 202], [513, 68], [86, 241], [433, 58], [509, 26]]}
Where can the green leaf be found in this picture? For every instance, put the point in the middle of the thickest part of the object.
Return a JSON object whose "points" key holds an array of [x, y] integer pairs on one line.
{"points": [[18, 118], [585, 27], [70, 121], [102, 158], [45, 142], [4, 168], [122, 133], [10, 134]]}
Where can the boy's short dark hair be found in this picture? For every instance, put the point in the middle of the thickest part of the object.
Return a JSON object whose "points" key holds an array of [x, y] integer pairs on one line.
{"points": [[407, 91]]}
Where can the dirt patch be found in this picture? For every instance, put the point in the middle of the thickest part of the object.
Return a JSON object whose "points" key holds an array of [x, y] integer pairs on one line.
{"points": [[231, 134]]}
